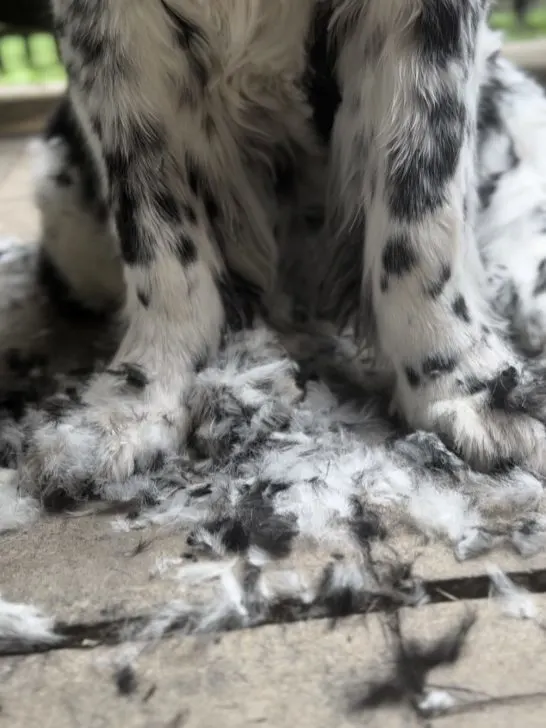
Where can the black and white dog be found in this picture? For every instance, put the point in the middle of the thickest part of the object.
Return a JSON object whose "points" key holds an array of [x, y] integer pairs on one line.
{"points": [[375, 162]]}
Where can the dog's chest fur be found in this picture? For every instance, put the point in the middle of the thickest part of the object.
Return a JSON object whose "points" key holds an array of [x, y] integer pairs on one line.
{"points": [[252, 38], [256, 53]]}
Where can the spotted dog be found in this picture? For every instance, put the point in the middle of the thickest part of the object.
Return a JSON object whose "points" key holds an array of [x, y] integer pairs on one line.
{"points": [[217, 161]]}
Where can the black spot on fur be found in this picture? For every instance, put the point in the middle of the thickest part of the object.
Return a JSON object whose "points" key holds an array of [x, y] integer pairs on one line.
{"points": [[412, 376], [189, 37], [438, 31], [186, 250], [501, 386], [167, 205], [145, 142], [435, 289], [200, 362], [460, 309], [492, 92], [189, 213], [201, 188], [212, 207], [417, 179], [134, 376], [64, 125], [193, 175], [145, 138], [487, 189], [398, 256], [135, 248], [436, 365], [143, 297], [256, 524]]}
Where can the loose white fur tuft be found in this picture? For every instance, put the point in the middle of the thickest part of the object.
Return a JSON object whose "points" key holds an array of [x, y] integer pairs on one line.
{"points": [[436, 702], [17, 510], [24, 627], [514, 601]]}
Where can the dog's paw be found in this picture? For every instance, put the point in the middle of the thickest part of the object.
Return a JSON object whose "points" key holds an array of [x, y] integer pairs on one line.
{"points": [[122, 425], [484, 403], [498, 423]]}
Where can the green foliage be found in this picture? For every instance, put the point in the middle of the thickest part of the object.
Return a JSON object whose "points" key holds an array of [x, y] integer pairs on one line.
{"points": [[29, 60], [533, 27]]}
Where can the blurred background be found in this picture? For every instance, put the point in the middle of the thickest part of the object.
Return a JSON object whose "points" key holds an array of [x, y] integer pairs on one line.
{"points": [[520, 19], [29, 55]]}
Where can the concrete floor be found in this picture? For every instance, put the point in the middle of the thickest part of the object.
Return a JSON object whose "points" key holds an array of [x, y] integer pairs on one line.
{"points": [[82, 571], [18, 216]]}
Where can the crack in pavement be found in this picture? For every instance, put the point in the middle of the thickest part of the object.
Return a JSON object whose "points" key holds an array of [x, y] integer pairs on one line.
{"points": [[115, 631]]}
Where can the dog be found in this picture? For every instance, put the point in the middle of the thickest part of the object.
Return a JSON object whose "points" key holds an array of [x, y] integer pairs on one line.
{"points": [[215, 162]]}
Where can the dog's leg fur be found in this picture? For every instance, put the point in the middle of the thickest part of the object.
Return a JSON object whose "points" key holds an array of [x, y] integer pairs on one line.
{"points": [[404, 178], [80, 263], [511, 229], [120, 62], [186, 155]]}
